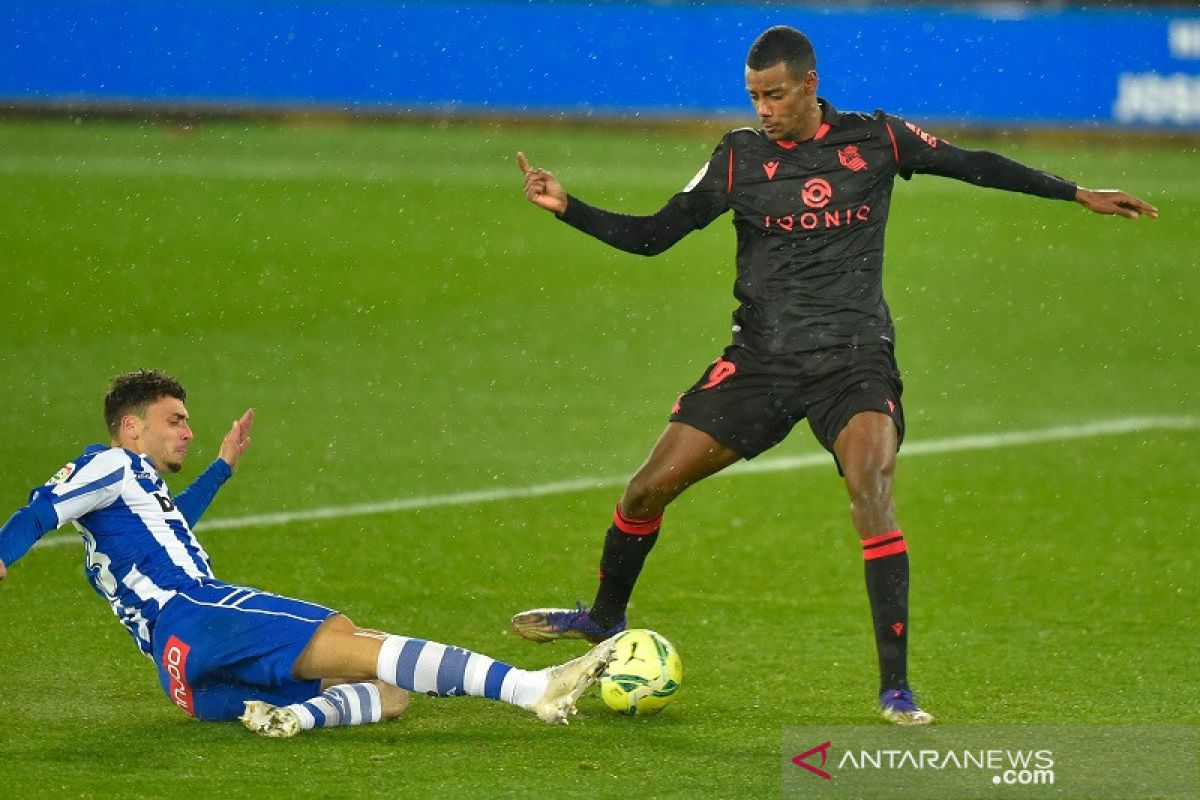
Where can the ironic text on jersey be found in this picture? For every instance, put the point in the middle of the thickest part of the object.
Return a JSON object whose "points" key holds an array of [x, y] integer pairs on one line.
{"points": [[816, 195]]}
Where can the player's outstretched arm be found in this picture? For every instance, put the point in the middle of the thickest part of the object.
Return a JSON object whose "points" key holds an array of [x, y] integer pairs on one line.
{"points": [[644, 235], [1112, 201], [237, 440], [3, 571], [542, 188]]}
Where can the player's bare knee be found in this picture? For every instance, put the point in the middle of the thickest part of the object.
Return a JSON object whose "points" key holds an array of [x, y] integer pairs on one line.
{"points": [[338, 623], [868, 464], [644, 499], [868, 485]]}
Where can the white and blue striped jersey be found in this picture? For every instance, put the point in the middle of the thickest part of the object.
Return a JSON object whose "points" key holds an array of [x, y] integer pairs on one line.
{"points": [[139, 545]]}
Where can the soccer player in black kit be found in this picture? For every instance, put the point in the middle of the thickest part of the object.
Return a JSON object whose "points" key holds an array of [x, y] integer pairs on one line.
{"points": [[812, 337]]}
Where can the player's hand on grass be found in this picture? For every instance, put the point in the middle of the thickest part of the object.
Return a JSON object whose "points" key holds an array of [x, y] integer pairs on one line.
{"points": [[3, 571], [237, 440], [1111, 201], [542, 188]]}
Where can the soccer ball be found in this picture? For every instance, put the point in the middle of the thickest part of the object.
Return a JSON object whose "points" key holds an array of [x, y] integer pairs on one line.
{"points": [[644, 674]]}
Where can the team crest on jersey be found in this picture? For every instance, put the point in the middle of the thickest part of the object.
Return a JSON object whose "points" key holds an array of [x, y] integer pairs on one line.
{"points": [[852, 159], [62, 475]]}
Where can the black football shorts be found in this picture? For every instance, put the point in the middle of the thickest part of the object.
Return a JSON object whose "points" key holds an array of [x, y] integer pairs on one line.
{"points": [[750, 404]]}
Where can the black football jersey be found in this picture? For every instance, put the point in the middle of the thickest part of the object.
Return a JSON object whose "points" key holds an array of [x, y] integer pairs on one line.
{"points": [[810, 219]]}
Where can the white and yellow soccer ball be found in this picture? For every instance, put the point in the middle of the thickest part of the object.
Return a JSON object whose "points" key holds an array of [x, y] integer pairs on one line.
{"points": [[644, 674]]}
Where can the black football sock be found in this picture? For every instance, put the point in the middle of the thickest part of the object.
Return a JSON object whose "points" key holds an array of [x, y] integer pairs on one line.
{"points": [[626, 546], [885, 559]]}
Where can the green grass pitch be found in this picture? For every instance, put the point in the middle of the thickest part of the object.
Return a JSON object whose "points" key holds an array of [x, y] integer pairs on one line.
{"points": [[408, 326]]}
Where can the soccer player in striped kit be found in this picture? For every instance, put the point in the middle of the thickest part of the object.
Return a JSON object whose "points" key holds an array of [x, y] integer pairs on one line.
{"points": [[810, 192], [223, 651]]}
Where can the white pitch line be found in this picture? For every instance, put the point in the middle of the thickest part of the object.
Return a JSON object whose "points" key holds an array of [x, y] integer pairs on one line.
{"points": [[956, 444]]}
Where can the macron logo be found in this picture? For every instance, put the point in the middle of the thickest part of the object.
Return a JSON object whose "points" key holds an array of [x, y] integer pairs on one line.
{"points": [[823, 749], [770, 168]]}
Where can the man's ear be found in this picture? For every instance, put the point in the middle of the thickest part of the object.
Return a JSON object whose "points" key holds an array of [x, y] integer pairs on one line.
{"points": [[811, 81], [131, 428]]}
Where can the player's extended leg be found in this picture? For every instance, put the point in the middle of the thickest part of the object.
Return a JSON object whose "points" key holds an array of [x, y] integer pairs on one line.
{"points": [[340, 703], [866, 451], [341, 649], [683, 456]]}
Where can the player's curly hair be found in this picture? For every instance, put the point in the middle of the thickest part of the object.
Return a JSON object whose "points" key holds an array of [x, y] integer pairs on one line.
{"points": [[132, 392], [782, 43]]}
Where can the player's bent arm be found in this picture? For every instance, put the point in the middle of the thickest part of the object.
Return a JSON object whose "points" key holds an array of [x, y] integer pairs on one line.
{"points": [[193, 501], [640, 235]]}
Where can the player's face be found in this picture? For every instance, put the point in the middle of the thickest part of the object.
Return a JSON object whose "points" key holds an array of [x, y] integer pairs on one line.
{"points": [[163, 434], [785, 104]]}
